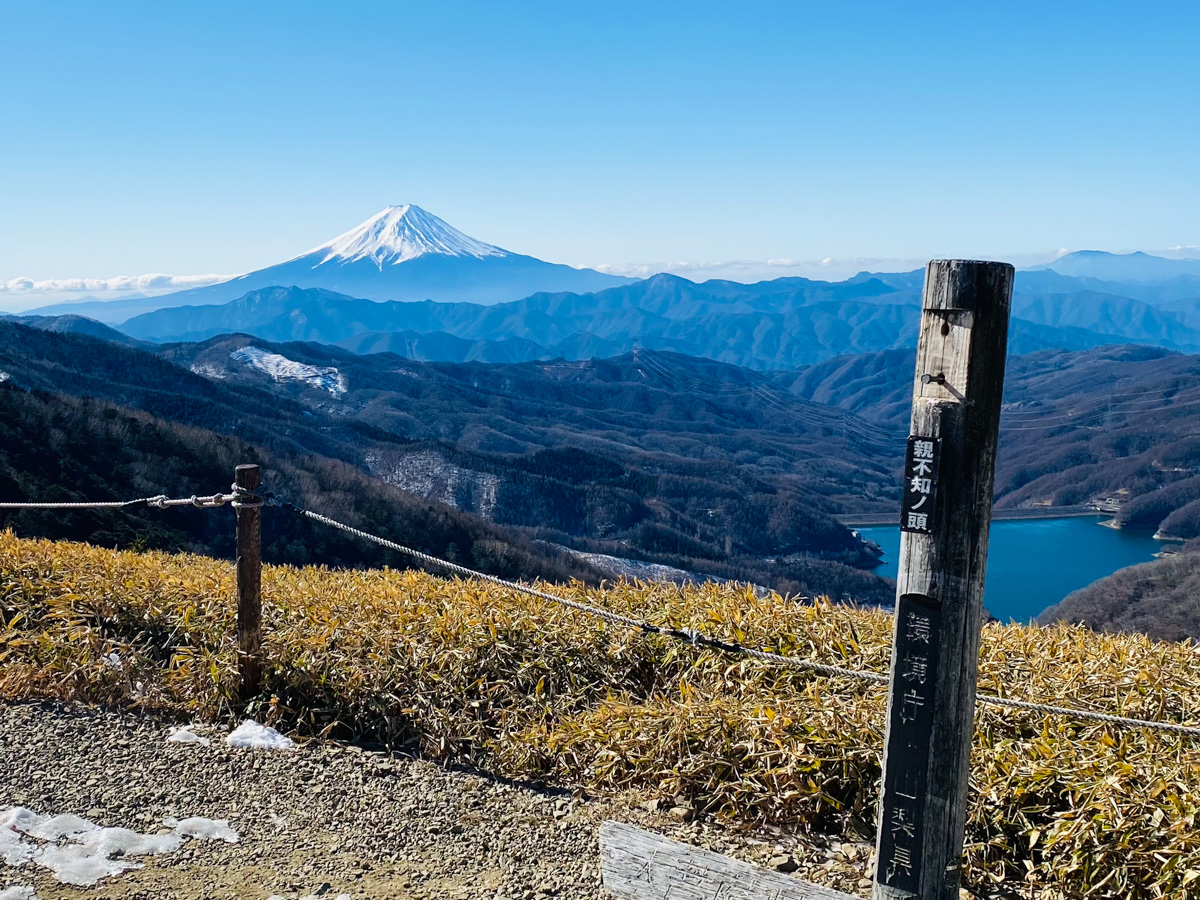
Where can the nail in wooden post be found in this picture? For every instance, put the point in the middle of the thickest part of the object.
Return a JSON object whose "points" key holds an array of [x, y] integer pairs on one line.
{"points": [[945, 514], [249, 582]]}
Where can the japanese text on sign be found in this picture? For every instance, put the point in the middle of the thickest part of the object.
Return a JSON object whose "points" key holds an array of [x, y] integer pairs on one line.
{"points": [[918, 622], [920, 482]]}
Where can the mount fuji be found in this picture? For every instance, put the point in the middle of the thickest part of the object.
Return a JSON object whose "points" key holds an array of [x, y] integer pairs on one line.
{"points": [[400, 253]]}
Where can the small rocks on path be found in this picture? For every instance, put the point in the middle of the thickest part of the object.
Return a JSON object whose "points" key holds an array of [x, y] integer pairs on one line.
{"points": [[332, 819]]}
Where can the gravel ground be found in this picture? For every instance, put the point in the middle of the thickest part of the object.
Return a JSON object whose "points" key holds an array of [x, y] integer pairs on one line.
{"points": [[334, 819]]}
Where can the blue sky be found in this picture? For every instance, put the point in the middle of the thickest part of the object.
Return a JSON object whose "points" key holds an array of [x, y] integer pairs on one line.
{"points": [[197, 138]]}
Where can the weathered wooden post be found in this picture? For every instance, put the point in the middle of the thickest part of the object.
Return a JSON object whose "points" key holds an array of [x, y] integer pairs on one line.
{"points": [[249, 581], [945, 515]]}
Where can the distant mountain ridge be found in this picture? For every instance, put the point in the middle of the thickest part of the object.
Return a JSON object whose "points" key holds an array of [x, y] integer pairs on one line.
{"points": [[332, 294], [777, 324], [400, 253], [1137, 266], [71, 324]]}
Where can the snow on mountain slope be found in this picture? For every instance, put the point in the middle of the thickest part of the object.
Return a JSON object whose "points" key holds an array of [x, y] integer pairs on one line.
{"points": [[398, 234], [281, 369], [401, 253]]}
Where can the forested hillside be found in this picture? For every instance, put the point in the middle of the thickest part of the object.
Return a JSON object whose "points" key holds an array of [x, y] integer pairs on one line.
{"points": [[76, 324], [591, 461], [1117, 422], [1159, 598], [710, 468], [59, 448]]}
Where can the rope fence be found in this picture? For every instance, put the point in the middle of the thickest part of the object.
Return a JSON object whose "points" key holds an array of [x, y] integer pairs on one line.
{"points": [[696, 638], [243, 499], [686, 635], [160, 501]]}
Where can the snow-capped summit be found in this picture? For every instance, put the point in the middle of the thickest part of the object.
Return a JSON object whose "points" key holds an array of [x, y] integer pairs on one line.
{"points": [[400, 253], [398, 234]]}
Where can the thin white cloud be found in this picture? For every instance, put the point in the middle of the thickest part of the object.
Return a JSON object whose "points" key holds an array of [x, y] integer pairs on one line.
{"points": [[1181, 251], [827, 269], [682, 267], [121, 283], [747, 270]]}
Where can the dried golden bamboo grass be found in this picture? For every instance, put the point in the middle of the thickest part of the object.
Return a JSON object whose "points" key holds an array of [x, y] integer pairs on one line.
{"points": [[469, 670]]}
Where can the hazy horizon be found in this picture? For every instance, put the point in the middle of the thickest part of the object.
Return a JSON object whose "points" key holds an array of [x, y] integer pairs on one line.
{"points": [[24, 294]]}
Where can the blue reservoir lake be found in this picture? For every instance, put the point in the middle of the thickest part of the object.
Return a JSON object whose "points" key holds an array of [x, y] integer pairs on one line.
{"points": [[1034, 563]]}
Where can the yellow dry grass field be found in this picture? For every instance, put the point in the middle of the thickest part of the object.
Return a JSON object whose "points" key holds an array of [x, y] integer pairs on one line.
{"points": [[523, 687]]}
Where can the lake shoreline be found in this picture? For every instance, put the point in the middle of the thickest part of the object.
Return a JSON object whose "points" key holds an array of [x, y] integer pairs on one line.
{"points": [[1035, 562], [870, 520]]}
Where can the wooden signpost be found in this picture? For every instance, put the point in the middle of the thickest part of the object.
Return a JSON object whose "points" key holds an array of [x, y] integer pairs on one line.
{"points": [[950, 461], [945, 516], [249, 581]]}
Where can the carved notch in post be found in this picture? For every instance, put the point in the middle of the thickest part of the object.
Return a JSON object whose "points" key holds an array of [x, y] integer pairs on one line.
{"points": [[946, 513]]}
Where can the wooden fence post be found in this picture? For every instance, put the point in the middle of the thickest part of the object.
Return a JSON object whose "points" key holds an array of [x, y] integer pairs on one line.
{"points": [[249, 582], [945, 515]]}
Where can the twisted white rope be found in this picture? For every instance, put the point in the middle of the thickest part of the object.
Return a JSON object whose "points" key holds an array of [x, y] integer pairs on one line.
{"points": [[1086, 714], [159, 501], [99, 504]]}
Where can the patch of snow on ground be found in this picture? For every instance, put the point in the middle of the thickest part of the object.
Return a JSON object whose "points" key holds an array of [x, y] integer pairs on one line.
{"points": [[55, 828], [185, 735], [280, 368], [252, 736], [18, 892], [14, 851], [102, 853], [203, 829], [75, 850]]}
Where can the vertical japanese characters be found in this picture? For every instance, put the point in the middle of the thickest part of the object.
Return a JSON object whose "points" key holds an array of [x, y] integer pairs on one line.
{"points": [[920, 482], [917, 636]]}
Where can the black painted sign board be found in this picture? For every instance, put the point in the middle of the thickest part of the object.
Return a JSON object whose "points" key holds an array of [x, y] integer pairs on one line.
{"points": [[918, 625], [920, 485]]}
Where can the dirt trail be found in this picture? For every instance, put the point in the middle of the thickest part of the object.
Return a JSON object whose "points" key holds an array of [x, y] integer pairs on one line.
{"points": [[331, 819]]}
